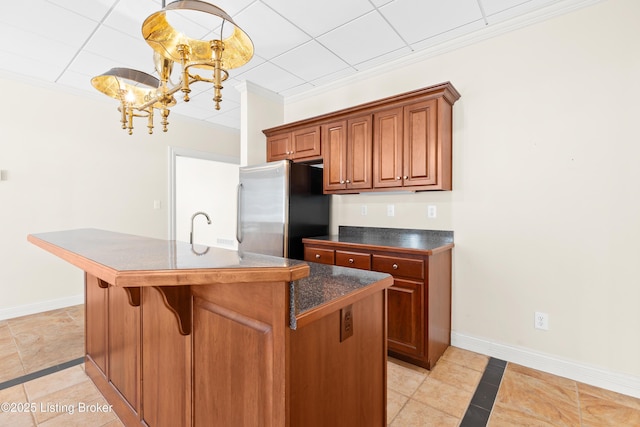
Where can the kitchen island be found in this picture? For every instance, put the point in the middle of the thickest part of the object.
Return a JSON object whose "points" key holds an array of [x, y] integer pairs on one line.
{"points": [[183, 335]]}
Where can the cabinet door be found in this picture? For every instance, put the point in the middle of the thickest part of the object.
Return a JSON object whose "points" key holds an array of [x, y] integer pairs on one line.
{"points": [[406, 317], [278, 147], [334, 140], [305, 143], [387, 148], [359, 146], [421, 144]]}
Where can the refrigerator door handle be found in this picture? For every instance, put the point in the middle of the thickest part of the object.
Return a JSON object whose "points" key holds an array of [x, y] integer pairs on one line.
{"points": [[239, 215]]}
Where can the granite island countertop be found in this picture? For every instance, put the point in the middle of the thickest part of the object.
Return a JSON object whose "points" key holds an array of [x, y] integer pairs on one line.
{"points": [[126, 260], [405, 240]]}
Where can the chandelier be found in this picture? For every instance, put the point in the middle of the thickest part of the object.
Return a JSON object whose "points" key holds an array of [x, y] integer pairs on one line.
{"points": [[140, 93]]}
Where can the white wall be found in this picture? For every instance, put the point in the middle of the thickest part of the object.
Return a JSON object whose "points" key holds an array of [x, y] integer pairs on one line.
{"points": [[211, 187], [545, 206], [70, 165]]}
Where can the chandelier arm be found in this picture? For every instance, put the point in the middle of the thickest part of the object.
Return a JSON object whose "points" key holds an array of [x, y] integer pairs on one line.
{"points": [[140, 93]]}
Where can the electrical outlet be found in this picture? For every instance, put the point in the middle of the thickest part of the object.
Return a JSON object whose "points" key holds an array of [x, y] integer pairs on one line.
{"points": [[541, 320], [363, 210], [346, 322], [432, 211], [391, 210]]}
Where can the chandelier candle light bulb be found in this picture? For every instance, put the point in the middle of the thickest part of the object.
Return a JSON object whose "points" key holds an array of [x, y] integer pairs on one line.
{"points": [[170, 45]]}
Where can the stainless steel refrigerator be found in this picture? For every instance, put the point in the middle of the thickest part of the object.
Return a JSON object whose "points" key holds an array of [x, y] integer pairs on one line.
{"points": [[279, 203]]}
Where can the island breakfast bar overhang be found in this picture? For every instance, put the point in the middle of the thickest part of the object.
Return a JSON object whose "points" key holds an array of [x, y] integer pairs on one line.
{"points": [[178, 335]]}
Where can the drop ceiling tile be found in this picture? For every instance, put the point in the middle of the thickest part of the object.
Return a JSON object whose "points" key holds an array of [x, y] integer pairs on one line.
{"points": [[383, 59], [417, 20], [318, 17], [494, 6], [254, 62], [331, 78], [94, 10], [232, 7], [188, 110], [271, 34], [128, 16], [91, 64], [363, 39], [51, 22], [310, 61], [21, 65], [204, 101], [47, 61], [230, 118], [501, 10], [79, 81], [271, 77], [378, 3], [121, 49], [437, 40], [297, 90]]}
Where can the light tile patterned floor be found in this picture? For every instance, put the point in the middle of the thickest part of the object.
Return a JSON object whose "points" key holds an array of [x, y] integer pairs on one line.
{"points": [[415, 396]]}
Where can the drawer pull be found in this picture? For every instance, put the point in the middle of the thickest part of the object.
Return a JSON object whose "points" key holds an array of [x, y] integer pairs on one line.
{"points": [[317, 256], [395, 266], [350, 260]]}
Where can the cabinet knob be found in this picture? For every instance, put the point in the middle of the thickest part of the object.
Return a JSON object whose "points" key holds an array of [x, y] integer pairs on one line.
{"points": [[350, 260], [398, 178], [394, 266], [348, 182], [341, 181], [405, 177], [317, 256]]}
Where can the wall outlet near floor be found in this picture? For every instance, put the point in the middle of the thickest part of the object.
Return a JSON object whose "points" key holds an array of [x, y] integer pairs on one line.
{"points": [[432, 211], [541, 320], [391, 210]]}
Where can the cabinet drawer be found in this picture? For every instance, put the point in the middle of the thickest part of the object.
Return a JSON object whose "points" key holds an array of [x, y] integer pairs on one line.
{"points": [[320, 255], [397, 266], [353, 259]]}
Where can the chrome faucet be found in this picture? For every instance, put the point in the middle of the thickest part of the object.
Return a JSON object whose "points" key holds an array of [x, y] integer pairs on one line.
{"points": [[194, 217]]}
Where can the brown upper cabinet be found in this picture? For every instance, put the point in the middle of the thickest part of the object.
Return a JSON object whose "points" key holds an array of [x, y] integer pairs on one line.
{"points": [[403, 142], [347, 155], [301, 144]]}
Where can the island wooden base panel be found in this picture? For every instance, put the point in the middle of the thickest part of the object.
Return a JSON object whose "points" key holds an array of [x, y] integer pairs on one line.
{"points": [[241, 365]]}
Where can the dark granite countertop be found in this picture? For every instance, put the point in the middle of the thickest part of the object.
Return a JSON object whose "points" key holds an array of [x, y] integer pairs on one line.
{"points": [[409, 240], [325, 284], [129, 260]]}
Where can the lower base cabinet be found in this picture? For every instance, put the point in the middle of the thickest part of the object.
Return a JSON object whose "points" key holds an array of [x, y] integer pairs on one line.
{"points": [[419, 302], [234, 363]]}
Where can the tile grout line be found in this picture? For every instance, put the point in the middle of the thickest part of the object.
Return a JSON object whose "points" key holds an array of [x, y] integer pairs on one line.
{"points": [[41, 373], [408, 397]]}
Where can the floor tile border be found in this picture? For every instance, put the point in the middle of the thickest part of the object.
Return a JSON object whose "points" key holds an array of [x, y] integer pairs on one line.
{"points": [[484, 397], [41, 373]]}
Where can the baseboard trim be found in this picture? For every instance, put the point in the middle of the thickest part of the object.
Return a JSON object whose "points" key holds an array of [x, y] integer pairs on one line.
{"points": [[614, 381], [41, 306]]}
